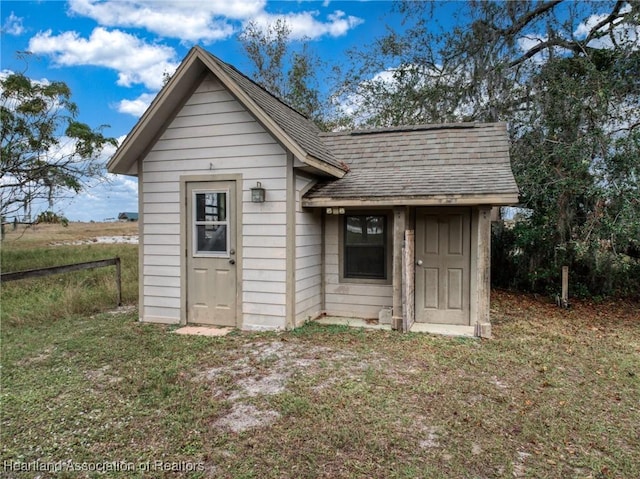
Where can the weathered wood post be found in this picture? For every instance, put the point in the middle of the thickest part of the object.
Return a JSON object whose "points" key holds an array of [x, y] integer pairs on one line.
{"points": [[118, 281], [399, 222], [565, 286], [409, 274], [483, 273]]}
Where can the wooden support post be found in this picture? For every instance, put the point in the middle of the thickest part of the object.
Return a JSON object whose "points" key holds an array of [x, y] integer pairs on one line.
{"points": [[409, 274], [118, 281], [565, 286], [399, 223], [483, 274]]}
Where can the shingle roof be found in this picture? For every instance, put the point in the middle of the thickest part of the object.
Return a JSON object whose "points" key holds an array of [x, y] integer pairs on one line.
{"points": [[304, 131], [422, 161], [411, 164]]}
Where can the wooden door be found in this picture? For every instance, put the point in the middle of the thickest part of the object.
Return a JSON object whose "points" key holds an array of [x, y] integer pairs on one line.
{"points": [[443, 258], [211, 248]]}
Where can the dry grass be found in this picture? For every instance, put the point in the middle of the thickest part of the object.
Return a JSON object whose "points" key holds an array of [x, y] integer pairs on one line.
{"points": [[64, 295], [40, 235], [555, 394]]}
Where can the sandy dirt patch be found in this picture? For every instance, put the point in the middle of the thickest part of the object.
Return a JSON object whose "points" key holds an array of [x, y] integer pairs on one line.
{"points": [[265, 369], [122, 239]]}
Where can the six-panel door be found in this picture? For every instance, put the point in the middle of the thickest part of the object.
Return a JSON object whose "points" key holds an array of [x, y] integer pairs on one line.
{"points": [[443, 247]]}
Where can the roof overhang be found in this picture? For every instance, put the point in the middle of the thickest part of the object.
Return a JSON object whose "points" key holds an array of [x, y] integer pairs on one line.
{"points": [[173, 95], [435, 200], [266, 121]]}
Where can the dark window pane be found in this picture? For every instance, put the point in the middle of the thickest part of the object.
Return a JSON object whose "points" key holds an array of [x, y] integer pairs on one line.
{"points": [[354, 228], [365, 246], [365, 230], [211, 206], [365, 262], [212, 238]]}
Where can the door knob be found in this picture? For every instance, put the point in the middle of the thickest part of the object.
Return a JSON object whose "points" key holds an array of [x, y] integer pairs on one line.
{"points": [[419, 262], [232, 261]]}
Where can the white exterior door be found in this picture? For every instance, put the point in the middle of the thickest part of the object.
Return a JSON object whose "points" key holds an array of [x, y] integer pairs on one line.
{"points": [[211, 249], [443, 259]]}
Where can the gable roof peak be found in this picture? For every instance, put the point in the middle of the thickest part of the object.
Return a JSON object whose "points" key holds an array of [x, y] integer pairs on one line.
{"points": [[289, 127], [275, 97]]}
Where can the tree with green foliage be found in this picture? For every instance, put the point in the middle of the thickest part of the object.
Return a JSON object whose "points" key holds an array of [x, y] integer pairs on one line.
{"points": [[566, 78], [45, 152], [284, 71]]}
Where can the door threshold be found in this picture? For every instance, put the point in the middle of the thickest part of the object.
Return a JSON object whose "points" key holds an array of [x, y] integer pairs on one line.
{"points": [[444, 329], [204, 330], [352, 322]]}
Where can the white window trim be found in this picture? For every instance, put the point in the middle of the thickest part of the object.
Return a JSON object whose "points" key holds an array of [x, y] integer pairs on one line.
{"points": [[195, 223]]}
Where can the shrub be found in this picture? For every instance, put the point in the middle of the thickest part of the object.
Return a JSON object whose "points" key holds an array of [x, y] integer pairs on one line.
{"points": [[50, 217]]}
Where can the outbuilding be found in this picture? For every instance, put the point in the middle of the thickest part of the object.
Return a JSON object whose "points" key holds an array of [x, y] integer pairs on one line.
{"points": [[127, 216], [252, 217]]}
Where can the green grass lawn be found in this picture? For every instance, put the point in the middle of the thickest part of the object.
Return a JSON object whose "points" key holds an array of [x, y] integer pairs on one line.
{"points": [[60, 296], [555, 394]]}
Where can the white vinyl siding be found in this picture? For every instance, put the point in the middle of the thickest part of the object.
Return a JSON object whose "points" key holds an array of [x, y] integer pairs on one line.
{"points": [[349, 298], [308, 258], [213, 134]]}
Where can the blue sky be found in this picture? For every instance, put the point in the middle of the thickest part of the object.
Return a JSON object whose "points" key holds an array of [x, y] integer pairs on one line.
{"points": [[112, 54]]}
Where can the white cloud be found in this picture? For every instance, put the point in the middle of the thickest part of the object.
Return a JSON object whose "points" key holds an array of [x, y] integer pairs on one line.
{"points": [[103, 200], [198, 21], [13, 25], [66, 149], [623, 33], [97, 194], [136, 107], [192, 21], [121, 12], [139, 62], [585, 27], [133, 59], [306, 25], [528, 42], [109, 150]]}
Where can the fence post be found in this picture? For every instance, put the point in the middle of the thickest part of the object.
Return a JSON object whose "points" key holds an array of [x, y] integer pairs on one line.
{"points": [[118, 281], [565, 286]]}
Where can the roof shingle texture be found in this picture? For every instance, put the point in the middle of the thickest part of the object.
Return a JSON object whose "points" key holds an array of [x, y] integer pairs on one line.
{"points": [[420, 161], [299, 128]]}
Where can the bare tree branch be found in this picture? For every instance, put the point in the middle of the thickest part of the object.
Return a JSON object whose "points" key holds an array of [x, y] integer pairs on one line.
{"points": [[529, 17]]}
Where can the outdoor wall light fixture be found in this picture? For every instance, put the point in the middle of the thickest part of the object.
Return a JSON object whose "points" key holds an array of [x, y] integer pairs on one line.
{"points": [[257, 193], [335, 211]]}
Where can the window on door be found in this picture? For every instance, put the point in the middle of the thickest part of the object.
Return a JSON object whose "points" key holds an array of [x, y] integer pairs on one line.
{"points": [[365, 246], [211, 223]]}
